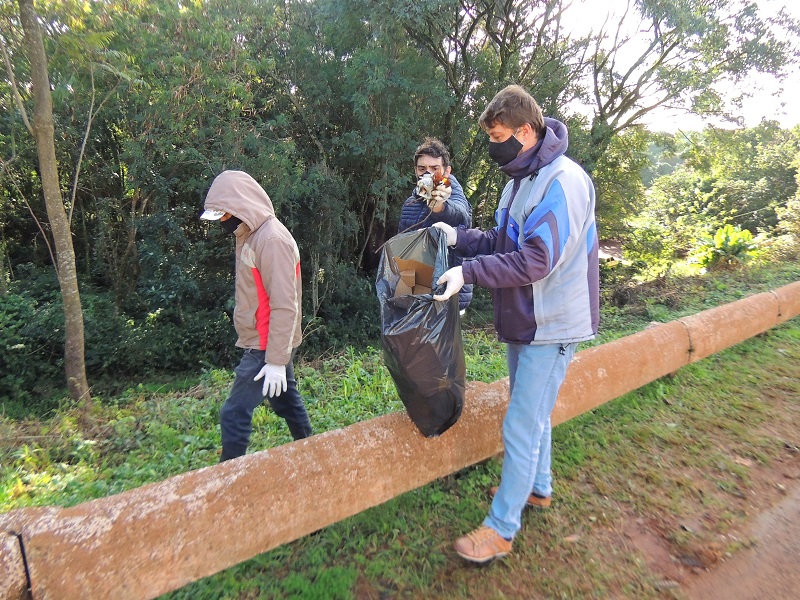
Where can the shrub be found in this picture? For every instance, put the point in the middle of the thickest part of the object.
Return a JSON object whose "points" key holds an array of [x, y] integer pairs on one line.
{"points": [[118, 347], [729, 248], [617, 281], [31, 344], [788, 242], [349, 315]]}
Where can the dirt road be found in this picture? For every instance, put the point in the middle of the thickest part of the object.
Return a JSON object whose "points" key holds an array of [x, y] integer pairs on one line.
{"points": [[768, 569]]}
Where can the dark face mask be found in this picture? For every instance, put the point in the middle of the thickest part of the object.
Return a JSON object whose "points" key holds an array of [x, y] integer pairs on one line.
{"points": [[504, 152], [230, 225]]}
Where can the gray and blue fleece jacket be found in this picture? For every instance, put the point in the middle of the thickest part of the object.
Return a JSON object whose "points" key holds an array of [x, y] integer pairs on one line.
{"points": [[540, 262]]}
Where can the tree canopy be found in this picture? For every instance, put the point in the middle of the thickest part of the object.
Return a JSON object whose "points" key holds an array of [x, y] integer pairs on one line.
{"points": [[323, 102]]}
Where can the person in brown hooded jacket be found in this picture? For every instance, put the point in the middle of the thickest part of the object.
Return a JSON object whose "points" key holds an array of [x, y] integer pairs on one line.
{"points": [[267, 314]]}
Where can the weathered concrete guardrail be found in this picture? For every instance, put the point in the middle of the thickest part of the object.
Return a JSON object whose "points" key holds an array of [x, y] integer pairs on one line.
{"points": [[162, 536]]}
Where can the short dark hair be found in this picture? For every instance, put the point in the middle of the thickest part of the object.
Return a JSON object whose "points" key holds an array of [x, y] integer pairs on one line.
{"points": [[433, 148], [513, 107]]}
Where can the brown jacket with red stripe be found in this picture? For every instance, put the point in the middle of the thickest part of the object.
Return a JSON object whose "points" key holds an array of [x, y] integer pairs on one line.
{"points": [[268, 309]]}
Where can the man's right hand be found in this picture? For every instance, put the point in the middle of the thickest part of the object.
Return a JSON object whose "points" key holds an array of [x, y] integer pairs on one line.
{"points": [[449, 231], [439, 197]]}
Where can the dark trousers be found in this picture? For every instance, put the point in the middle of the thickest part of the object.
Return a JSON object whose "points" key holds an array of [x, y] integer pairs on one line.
{"points": [[236, 415]]}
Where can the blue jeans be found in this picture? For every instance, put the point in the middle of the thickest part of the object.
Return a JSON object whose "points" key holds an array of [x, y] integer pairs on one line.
{"points": [[536, 374], [236, 415]]}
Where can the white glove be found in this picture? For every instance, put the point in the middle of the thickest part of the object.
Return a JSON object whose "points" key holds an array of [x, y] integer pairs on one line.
{"points": [[451, 233], [425, 186], [438, 197], [274, 379], [454, 278]]}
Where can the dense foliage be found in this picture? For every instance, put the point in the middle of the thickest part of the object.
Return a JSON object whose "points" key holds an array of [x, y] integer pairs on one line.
{"points": [[324, 102], [743, 178]]}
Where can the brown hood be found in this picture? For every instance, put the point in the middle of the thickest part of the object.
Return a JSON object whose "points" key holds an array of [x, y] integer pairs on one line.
{"points": [[237, 193]]}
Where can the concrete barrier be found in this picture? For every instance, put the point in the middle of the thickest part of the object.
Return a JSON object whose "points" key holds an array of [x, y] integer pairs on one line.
{"points": [[162, 536], [159, 537], [788, 301], [727, 325], [602, 373], [14, 582]]}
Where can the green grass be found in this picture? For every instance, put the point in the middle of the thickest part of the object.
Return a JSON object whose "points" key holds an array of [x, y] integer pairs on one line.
{"points": [[681, 449]]}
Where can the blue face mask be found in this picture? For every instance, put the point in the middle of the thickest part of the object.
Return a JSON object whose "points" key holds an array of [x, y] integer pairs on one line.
{"points": [[504, 152], [230, 225]]}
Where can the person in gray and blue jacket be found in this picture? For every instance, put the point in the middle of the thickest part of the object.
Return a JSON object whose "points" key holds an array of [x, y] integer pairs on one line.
{"points": [[541, 265]]}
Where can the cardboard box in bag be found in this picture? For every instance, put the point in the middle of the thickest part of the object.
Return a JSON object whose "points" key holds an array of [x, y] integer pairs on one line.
{"points": [[416, 278]]}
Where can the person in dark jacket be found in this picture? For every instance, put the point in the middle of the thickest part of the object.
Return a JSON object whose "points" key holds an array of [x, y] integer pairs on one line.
{"points": [[447, 203], [541, 264], [267, 315]]}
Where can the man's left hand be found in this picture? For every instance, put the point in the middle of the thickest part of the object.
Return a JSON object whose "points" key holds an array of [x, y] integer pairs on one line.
{"points": [[454, 278], [274, 379], [438, 197]]}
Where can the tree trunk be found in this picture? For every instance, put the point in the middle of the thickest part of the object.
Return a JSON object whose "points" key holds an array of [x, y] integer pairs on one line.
{"points": [[601, 135], [3, 273], [44, 133]]}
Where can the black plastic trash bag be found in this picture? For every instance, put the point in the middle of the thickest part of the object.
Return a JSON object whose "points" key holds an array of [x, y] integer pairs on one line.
{"points": [[421, 338]]}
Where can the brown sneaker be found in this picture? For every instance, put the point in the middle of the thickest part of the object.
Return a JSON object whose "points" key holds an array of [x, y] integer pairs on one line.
{"points": [[534, 501], [482, 545]]}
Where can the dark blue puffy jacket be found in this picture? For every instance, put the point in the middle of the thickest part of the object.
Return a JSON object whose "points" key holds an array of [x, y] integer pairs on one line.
{"points": [[457, 211]]}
